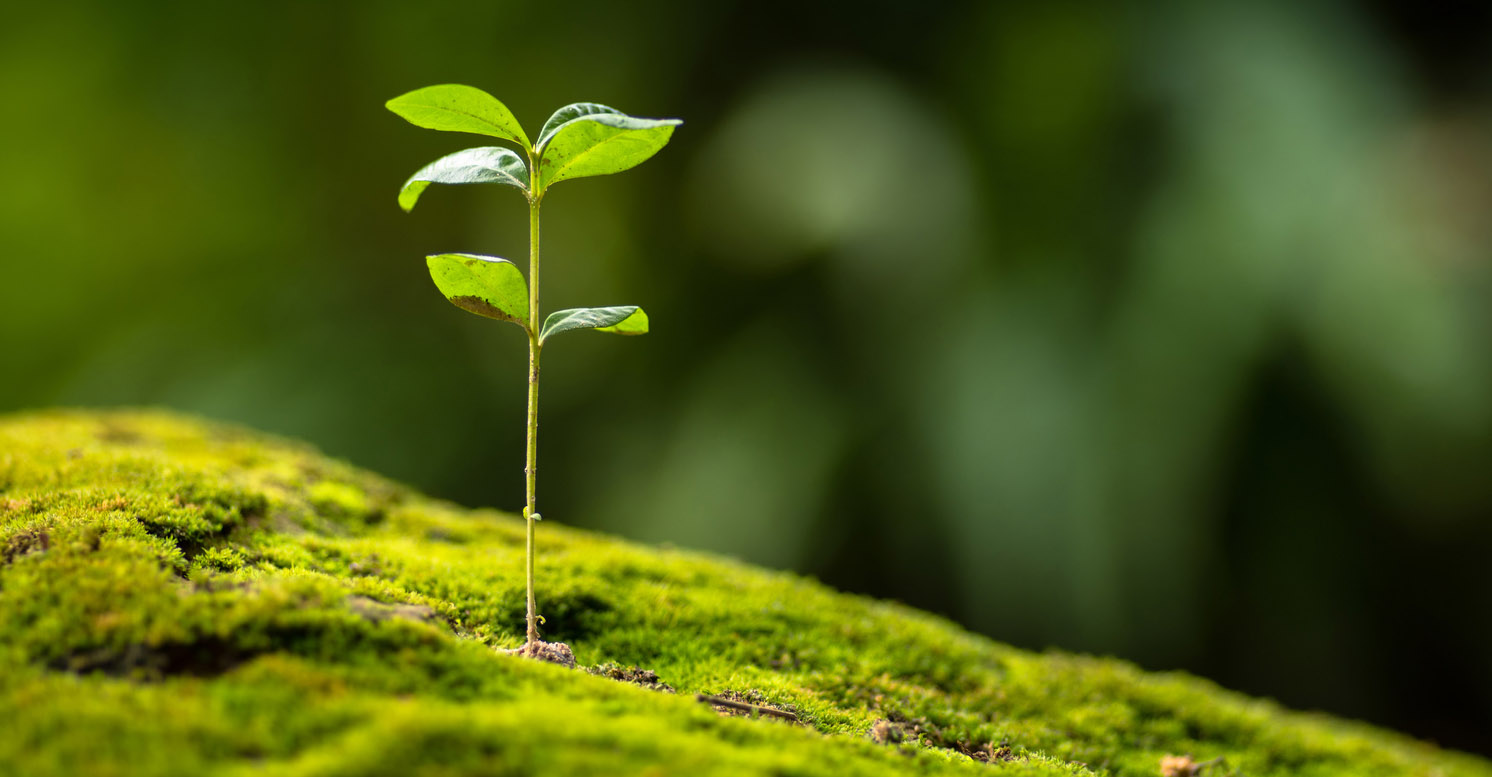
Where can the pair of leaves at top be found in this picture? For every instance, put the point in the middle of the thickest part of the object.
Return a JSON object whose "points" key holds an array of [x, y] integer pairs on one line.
{"points": [[581, 139], [493, 287]]}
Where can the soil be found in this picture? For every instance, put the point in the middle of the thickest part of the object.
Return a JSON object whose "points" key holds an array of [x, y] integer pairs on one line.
{"points": [[898, 728], [553, 652], [647, 678]]}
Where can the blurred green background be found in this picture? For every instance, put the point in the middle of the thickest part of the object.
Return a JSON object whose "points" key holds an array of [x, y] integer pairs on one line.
{"points": [[1162, 331]]}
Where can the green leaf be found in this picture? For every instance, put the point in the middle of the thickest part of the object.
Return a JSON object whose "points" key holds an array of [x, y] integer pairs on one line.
{"points": [[601, 144], [485, 285], [568, 114], [623, 320], [457, 108], [487, 164]]}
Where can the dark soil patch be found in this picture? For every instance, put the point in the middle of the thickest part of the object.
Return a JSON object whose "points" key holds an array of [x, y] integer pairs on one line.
{"points": [[24, 542], [647, 678], [897, 728], [201, 658]]}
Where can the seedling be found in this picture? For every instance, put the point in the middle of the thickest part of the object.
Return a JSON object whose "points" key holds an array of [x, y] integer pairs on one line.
{"points": [[579, 140]]}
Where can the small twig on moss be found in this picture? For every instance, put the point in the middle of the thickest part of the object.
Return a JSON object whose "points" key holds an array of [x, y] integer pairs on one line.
{"points": [[743, 707]]}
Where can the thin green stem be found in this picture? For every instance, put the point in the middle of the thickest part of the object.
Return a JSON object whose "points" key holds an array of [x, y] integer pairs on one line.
{"points": [[531, 510]]}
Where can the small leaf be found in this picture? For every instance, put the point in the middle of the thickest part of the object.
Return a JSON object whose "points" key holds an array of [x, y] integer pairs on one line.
{"points": [[457, 108], [568, 114], [487, 164], [485, 285], [601, 144], [623, 320]]}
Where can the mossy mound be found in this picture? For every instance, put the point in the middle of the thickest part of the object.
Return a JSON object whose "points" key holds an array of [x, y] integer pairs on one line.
{"points": [[178, 597]]}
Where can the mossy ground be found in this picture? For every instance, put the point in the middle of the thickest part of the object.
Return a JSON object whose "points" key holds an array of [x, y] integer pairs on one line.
{"points": [[178, 597]]}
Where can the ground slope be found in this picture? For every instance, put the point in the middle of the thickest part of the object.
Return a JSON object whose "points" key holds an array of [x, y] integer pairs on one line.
{"points": [[180, 597]]}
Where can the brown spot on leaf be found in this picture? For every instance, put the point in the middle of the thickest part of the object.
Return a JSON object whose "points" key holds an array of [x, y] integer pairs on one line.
{"points": [[481, 307]]}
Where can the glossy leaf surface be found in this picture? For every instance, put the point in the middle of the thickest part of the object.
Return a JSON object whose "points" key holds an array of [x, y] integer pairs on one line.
{"points": [[601, 144], [622, 320], [568, 114], [459, 108], [486, 285], [486, 164]]}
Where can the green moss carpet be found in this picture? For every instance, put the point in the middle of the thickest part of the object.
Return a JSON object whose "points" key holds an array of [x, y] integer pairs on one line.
{"points": [[188, 598]]}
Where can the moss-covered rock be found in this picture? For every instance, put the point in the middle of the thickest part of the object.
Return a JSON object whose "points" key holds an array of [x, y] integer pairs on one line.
{"points": [[179, 597]]}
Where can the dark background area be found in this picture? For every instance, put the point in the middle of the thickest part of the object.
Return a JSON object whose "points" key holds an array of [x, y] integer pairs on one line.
{"points": [[1160, 330]]}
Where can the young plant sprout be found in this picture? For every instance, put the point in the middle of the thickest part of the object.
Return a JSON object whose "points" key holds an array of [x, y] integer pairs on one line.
{"points": [[579, 140]]}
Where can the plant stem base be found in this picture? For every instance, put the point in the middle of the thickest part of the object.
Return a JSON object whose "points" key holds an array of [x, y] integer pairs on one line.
{"points": [[553, 652]]}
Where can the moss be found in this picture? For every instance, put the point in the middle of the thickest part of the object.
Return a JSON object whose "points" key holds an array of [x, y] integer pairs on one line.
{"points": [[178, 597]]}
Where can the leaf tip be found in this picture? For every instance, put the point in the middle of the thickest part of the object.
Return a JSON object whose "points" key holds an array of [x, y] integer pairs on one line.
{"points": [[409, 194]]}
